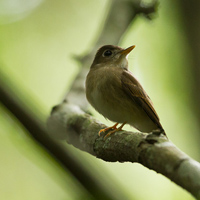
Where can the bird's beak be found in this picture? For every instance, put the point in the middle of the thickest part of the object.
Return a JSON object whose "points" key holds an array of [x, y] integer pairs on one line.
{"points": [[127, 51]]}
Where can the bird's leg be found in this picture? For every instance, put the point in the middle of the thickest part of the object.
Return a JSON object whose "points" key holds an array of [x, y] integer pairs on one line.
{"points": [[106, 129], [115, 130]]}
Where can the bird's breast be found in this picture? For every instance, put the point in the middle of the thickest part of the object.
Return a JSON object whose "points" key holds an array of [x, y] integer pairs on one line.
{"points": [[104, 92]]}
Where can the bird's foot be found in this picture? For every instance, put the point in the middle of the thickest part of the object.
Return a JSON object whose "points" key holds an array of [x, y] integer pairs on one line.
{"points": [[106, 129], [112, 131]]}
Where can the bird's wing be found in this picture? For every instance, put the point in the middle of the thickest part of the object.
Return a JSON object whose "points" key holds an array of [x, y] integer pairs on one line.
{"points": [[137, 94]]}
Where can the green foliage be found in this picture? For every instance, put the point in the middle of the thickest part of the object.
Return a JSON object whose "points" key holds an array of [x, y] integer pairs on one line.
{"points": [[36, 54]]}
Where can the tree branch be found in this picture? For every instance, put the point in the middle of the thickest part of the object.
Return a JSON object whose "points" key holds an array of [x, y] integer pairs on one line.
{"points": [[54, 148], [121, 15], [69, 122], [154, 152], [115, 21]]}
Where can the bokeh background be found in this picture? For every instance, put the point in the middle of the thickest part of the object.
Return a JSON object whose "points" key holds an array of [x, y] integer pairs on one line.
{"points": [[38, 40]]}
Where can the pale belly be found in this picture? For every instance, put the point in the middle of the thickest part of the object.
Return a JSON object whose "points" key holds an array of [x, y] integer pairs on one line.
{"points": [[106, 105], [113, 103]]}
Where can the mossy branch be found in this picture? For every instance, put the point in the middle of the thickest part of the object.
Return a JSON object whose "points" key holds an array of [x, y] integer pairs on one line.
{"points": [[69, 120], [152, 151]]}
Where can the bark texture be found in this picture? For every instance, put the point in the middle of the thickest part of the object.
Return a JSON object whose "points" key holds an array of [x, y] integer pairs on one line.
{"points": [[152, 151], [69, 120]]}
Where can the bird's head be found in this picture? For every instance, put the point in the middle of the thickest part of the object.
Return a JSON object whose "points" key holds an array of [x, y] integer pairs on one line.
{"points": [[111, 55]]}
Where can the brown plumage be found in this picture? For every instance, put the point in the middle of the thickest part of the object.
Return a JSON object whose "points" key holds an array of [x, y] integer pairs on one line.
{"points": [[116, 94]]}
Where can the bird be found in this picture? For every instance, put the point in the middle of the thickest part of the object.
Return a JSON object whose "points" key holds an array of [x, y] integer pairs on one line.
{"points": [[115, 93]]}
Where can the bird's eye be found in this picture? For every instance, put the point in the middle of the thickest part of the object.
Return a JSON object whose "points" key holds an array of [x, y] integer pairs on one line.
{"points": [[107, 53]]}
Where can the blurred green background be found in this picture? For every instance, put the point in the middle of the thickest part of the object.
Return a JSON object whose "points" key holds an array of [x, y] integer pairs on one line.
{"points": [[38, 40]]}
